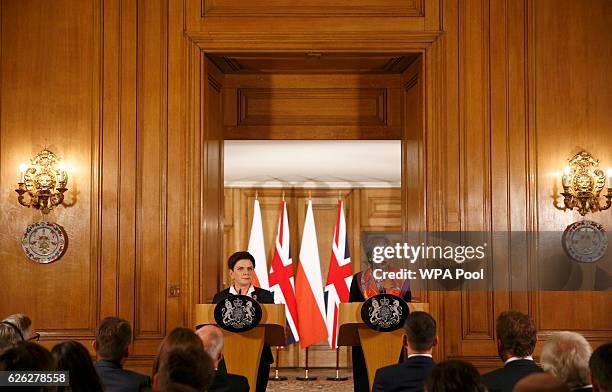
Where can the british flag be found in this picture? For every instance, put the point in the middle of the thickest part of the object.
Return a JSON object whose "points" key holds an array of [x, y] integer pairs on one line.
{"points": [[338, 278], [281, 279]]}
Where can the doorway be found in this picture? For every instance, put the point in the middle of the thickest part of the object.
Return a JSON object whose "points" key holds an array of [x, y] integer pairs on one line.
{"points": [[304, 96]]}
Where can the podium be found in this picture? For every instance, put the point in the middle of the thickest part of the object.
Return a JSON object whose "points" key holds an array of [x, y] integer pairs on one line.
{"points": [[242, 351], [379, 348]]}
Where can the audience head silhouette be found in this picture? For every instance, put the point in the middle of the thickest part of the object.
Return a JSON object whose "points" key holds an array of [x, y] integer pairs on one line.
{"points": [[454, 376], [540, 382], [600, 365], [420, 330], [27, 356], [184, 364], [177, 338], [73, 357], [516, 335], [9, 335], [113, 337], [212, 339], [566, 356]]}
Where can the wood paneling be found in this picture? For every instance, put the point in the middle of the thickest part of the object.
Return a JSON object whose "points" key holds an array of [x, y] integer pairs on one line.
{"points": [[89, 79], [312, 63], [50, 98], [204, 16], [312, 106], [312, 8], [523, 97], [123, 91], [570, 97]]}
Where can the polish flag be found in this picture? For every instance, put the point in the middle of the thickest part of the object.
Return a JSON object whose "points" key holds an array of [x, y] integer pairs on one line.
{"points": [[281, 275], [258, 250], [309, 287], [338, 278]]}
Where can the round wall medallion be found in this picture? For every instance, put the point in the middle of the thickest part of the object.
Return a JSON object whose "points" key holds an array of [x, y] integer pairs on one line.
{"points": [[384, 312], [44, 242], [585, 241], [238, 313]]}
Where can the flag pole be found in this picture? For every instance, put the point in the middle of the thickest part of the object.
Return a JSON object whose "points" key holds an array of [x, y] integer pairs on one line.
{"points": [[276, 376], [306, 376], [337, 378]]}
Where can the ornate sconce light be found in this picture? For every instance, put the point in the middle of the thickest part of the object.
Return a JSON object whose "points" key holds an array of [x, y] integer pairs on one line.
{"points": [[44, 180], [582, 184]]}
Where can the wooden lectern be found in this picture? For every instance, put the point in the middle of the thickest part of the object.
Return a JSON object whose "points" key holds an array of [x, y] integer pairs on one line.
{"points": [[379, 348], [242, 351]]}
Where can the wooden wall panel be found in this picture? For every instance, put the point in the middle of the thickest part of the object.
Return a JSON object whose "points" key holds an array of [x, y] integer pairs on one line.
{"points": [[514, 132], [296, 106], [151, 156], [205, 16], [312, 8], [50, 98], [89, 80], [570, 96]]}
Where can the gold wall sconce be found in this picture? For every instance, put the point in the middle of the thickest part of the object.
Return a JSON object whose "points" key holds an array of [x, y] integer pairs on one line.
{"points": [[44, 180], [582, 184]]}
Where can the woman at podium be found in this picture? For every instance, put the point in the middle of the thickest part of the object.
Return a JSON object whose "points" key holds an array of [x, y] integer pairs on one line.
{"points": [[241, 269], [364, 286]]}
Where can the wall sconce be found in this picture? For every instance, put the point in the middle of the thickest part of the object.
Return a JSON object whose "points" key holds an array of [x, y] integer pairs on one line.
{"points": [[44, 180], [582, 184]]}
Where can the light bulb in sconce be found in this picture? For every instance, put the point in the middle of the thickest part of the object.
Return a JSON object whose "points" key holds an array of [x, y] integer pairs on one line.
{"points": [[609, 175], [566, 176], [62, 171], [22, 169]]}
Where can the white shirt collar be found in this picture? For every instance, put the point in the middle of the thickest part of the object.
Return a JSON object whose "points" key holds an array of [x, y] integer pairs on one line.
{"points": [[249, 293], [420, 355], [512, 359]]}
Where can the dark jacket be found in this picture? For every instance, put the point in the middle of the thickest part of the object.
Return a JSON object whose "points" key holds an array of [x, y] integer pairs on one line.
{"points": [[224, 382], [408, 376], [116, 379], [262, 296], [504, 379]]}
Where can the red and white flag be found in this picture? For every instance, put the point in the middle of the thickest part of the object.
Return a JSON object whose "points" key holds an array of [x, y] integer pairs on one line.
{"points": [[339, 277], [258, 250], [309, 287], [281, 275]]}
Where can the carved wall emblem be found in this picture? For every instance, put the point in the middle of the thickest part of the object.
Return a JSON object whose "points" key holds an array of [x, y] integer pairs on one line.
{"points": [[585, 241]]}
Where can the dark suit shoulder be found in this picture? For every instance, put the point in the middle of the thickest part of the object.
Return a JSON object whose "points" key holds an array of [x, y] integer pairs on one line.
{"points": [[407, 376], [263, 296], [238, 382], [224, 382], [115, 378], [221, 295], [504, 379], [355, 294]]}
